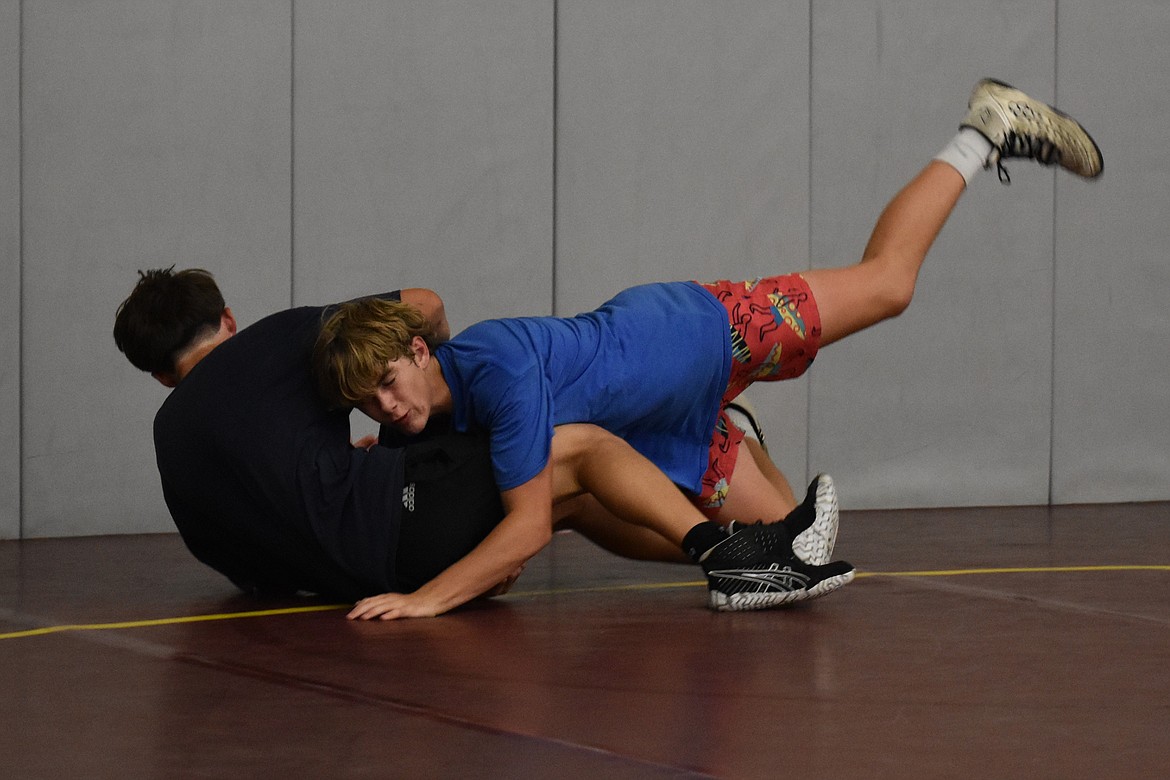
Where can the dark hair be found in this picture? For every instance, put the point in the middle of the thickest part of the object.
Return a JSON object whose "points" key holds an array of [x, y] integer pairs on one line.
{"points": [[166, 313]]}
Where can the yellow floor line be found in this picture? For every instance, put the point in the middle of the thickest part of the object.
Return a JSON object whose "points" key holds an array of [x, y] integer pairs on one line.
{"points": [[556, 592], [169, 621], [1017, 570]]}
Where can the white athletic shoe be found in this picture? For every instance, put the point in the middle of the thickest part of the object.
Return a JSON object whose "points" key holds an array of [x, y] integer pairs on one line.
{"points": [[1018, 126]]}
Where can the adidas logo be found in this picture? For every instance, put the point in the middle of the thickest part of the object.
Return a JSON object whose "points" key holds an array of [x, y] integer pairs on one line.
{"points": [[408, 497]]}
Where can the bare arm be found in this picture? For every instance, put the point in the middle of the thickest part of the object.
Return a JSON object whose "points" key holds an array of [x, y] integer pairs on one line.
{"points": [[431, 305], [524, 531]]}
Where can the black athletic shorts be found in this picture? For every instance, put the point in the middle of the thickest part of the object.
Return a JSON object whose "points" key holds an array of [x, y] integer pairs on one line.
{"points": [[450, 503]]}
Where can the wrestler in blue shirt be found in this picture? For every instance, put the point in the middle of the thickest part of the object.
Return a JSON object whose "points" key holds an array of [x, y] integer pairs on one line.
{"points": [[654, 365]]}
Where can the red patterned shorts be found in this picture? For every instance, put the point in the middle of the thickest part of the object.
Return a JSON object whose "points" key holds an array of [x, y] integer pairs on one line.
{"points": [[775, 334]]}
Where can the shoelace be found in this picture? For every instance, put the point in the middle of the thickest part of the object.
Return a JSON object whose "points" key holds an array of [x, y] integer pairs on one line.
{"points": [[1019, 145]]}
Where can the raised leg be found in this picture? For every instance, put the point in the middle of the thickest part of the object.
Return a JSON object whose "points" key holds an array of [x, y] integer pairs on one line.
{"points": [[882, 284], [1013, 126]]}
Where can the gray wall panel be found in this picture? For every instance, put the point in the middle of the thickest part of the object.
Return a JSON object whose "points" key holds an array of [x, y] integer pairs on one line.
{"points": [[682, 140], [156, 133], [1112, 407], [306, 152], [9, 270], [424, 153], [948, 404]]}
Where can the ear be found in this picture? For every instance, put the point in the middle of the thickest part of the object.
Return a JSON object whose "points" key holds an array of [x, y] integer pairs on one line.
{"points": [[420, 351], [227, 321], [165, 379]]}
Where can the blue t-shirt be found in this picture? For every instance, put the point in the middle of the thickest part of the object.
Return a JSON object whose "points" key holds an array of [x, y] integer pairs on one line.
{"points": [[650, 366]]}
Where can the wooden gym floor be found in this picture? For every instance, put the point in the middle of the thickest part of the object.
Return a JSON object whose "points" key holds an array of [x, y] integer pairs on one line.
{"points": [[976, 643]]}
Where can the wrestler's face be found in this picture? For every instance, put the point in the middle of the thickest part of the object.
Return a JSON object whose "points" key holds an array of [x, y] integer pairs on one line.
{"points": [[403, 399]]}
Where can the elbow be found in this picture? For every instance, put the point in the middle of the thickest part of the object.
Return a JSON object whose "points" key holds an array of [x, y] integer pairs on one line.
{"points": [[436, 314], [431, 305]]}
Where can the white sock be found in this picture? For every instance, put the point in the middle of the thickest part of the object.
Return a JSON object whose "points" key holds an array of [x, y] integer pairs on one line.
{"points": [[967, 153]]}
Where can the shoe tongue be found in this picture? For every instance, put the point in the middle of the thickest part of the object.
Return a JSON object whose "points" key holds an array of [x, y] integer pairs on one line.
{"points": [[738, 549], [701, 539]]}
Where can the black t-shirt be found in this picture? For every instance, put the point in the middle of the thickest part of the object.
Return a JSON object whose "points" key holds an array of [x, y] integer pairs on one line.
{"points": [[260, 477]]}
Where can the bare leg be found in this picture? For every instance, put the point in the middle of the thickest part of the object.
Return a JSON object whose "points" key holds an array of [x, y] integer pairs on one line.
{"points": [[587, 459], [761, 493], [771, 473], [585, 515], [742, 414], [882, 284], [753, 496]]}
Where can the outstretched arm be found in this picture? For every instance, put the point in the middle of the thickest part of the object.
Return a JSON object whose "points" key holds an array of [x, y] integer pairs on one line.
{"points": [[524, 531]]}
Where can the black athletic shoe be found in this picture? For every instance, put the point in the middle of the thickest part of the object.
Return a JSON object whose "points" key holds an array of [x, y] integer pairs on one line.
{"points": [[742, 577], [809, 531]]}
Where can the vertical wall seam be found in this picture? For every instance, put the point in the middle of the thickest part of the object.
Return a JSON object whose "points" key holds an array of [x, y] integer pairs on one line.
{"points": [[292, 152], [556, 48], [20, 306], [808, 401], [556, 45], [1053, 291]]}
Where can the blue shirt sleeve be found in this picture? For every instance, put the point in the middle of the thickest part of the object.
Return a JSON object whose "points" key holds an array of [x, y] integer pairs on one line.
{"points": [[498, 384]]}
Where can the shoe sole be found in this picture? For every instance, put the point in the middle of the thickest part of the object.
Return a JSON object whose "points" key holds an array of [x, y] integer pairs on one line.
{"points": [[747, 602], [1072, 137], [744, 408], [814, 545]]}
